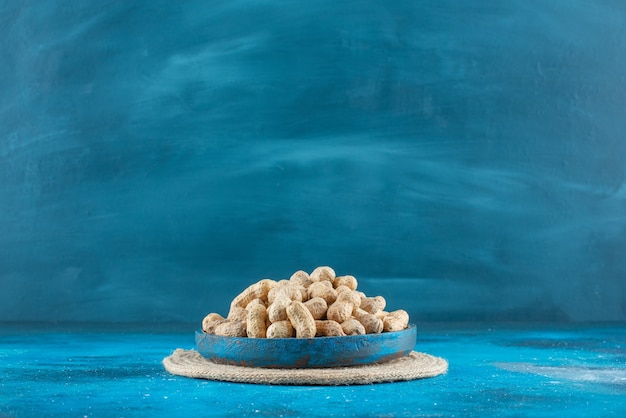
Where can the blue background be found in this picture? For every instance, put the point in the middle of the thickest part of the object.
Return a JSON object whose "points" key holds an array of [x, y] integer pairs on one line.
{"points": [[464, 159]]}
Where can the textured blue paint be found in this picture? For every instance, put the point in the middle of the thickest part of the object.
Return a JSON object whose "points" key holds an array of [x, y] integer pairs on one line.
{"points": [[546, 371], [307, 352], [468, 158]]}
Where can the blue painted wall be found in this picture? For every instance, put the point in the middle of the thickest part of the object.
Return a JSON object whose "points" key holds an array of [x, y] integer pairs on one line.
{"points": [[467, 160]]}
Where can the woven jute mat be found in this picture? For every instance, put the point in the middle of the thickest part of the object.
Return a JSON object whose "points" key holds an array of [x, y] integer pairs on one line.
{"points": [[416, 365]]}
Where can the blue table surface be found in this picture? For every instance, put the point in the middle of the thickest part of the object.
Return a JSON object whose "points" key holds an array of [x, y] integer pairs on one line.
{"points": [[495, 370]]}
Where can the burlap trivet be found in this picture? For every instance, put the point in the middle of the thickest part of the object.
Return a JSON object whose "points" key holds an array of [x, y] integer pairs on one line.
{"points": [[416, 365]]}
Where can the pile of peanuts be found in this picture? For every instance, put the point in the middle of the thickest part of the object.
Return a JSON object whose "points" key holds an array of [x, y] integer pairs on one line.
{"points": [[319, 304]]}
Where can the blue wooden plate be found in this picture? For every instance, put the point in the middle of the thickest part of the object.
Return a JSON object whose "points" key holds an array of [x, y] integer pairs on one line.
{"points": [[307, 352]]}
